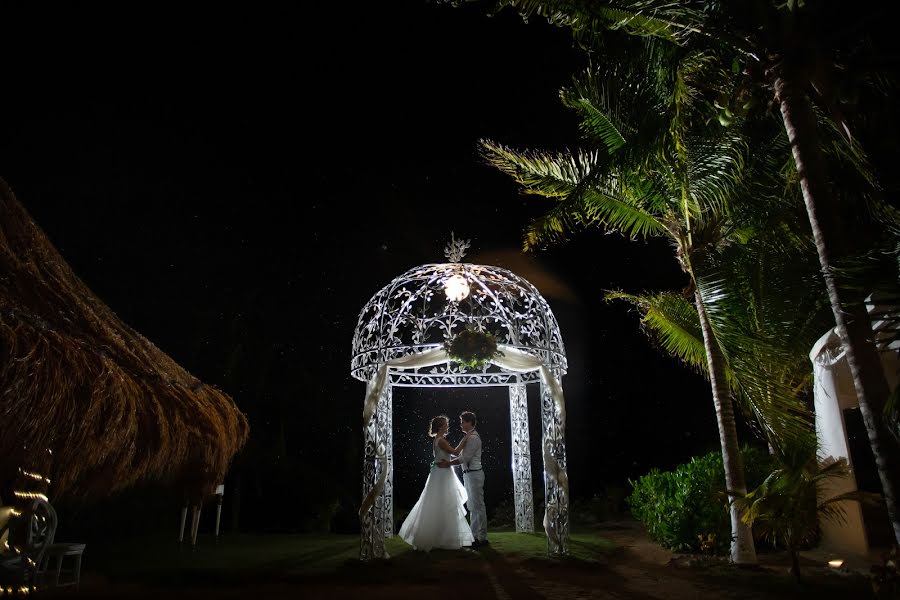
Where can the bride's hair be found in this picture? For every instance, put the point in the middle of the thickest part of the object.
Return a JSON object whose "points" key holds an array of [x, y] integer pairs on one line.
{"points": [[436, 423]]}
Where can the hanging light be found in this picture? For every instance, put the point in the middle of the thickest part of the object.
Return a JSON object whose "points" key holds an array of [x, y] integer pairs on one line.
{"points": [[456, 287]]}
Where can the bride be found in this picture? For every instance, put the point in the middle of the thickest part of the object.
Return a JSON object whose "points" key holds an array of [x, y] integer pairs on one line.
{"points": [[438, 520]]}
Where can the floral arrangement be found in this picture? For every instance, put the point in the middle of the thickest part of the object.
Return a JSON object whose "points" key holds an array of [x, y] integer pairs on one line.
{"points": [[472, 348]]}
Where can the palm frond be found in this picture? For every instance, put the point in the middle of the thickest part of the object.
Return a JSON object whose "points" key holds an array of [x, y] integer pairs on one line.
{"points": [[673, 321], [763, 341], [598, 197], [852, 174], [666, 19], [598, 125], [715, 170], [606, 205], [622, 95], [555, 175]]}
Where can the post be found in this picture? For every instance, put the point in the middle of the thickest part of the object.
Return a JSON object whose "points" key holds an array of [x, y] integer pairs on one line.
{"points": [[195, 525], [556, 513], [183, 519], [220, 495], [371, 520], [386, 433], [521, 458]]}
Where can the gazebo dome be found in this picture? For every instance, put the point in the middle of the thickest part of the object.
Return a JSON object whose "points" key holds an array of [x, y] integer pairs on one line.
{"points": [[414, 313]]}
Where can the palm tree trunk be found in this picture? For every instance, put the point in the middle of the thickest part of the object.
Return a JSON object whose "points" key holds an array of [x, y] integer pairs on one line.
{"points": [[742, 549], [850, 314], [795, 564]]}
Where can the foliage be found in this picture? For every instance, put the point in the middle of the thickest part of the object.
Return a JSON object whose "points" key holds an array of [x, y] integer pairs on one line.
{"points": [[683, 506], [472, 348], [786, 508]]}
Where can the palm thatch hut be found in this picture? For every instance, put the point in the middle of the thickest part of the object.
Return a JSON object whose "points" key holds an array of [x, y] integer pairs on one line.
{"points": [[112, 409]]}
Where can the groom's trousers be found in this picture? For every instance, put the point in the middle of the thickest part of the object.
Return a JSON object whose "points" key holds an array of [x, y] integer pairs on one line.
{"points": [[474, 482]]}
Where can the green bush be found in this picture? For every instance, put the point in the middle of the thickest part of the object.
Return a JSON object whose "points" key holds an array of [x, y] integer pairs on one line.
{"points": [[677, 507]]}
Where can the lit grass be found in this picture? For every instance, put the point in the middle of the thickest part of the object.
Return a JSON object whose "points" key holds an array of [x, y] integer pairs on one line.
{"points": [[585, 547], [251, 557]]}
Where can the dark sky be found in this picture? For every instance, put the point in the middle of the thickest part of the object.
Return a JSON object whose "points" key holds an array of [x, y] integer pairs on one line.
{"points": [[237, 184]]}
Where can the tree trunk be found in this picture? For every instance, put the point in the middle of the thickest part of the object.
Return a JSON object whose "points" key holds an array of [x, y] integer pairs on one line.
{"points": [[742, 549], [795, 564], [850, 314]]}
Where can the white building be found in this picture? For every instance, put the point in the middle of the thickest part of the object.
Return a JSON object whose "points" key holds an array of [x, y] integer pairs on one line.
{"points": [[834, 393]]}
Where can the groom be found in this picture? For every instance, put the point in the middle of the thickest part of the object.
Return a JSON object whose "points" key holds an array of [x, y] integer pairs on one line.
{"points": [[473, 478]]}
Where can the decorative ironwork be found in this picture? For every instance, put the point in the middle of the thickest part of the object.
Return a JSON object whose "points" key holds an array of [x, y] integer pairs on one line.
{"points": [[412, 314], [386, 433], [521, 458], [456, 249], [412, 379], [375, 461], [371, 543], [556, 486]]}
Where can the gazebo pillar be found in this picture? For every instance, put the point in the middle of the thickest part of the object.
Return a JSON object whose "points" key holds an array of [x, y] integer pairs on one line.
{"points": [[386, 433], [375, 465], [556, 482], [521, 458]]}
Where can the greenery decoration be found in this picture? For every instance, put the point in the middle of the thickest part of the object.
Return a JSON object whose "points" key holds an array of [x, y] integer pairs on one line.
{"points": [[472, 348]]}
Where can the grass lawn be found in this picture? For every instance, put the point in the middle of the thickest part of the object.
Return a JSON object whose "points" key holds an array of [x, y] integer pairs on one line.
{"points": [[514, 566]]}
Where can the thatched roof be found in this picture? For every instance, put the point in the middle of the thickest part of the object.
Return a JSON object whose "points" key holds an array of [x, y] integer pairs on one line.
{"points": [[113, 408]]}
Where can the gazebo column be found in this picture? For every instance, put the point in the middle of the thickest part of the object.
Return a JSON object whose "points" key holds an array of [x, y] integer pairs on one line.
{"points": [[556, 483], [521, 458], [375, 463], [386, 433]]}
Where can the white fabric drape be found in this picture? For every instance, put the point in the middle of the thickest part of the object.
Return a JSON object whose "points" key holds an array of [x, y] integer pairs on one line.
{"points": [[375, 387], [512, 359]]}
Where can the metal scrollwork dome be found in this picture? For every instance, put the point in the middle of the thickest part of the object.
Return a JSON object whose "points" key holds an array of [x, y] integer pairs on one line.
{"points": [[413, 314]]}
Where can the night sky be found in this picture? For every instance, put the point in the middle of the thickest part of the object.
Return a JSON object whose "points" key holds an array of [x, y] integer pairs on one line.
{"points": [[236, 185]]}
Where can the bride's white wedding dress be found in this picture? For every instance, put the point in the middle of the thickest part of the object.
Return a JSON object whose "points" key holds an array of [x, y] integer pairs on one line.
{"points": [[438, 520]]}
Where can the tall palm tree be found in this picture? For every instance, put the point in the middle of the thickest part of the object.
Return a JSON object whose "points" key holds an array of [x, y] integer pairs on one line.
{"points": [[652, 174], [795, 53]]}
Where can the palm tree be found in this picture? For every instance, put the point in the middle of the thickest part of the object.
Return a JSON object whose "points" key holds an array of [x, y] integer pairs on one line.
{"points": [[662, 178], [794, 53]]}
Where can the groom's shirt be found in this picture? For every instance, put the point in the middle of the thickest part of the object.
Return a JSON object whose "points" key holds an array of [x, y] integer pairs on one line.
{"points": [[470, 459]]}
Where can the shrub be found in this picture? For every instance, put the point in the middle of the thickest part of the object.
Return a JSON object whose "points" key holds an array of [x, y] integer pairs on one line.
{"points": [[503, 515], [587, 512], [683, 507]]}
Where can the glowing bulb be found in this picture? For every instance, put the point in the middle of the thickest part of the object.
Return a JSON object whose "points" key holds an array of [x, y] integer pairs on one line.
{"points": [[456, 288], [836, 563]]}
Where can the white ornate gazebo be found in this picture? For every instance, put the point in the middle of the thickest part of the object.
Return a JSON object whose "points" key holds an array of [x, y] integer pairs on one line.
{"points": [[399, 342]]}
